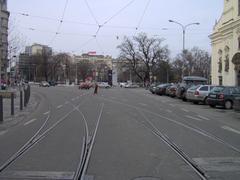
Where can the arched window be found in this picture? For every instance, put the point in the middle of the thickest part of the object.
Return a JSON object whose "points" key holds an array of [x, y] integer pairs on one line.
{"points": [[220, 61], [226, 49]]}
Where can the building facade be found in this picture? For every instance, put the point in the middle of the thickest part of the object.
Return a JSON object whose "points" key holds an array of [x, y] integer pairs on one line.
{"points": [[38, 49], [102, 65], [225, 41], [4, 17]]}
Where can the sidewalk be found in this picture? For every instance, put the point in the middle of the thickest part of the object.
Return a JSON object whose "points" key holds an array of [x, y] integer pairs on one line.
{"points": [[8, 119]]}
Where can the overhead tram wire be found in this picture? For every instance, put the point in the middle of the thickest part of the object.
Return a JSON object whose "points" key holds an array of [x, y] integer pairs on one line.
{"points": [[60, 22], [91, 12], [118, 12], [144, 12], [81, 23]]}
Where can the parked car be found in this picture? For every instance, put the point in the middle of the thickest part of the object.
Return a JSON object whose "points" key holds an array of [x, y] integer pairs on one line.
{"points": [[188, 82], [223, 96], [3, 85], [236, 102], [122, 84], [152, 87], [199, 93], [52, 83], [161, 89], [103, 85], [172, 90], [85, 85], [44, 84], [132, 86]]}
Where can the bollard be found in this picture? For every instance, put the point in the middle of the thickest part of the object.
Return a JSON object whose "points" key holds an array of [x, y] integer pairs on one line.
{"points": [[12, 104], [21, 100], [1, 109], [25, 98]]}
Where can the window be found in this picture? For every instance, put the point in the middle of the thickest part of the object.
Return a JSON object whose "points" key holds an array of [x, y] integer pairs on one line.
{"points": [[204, 88]]}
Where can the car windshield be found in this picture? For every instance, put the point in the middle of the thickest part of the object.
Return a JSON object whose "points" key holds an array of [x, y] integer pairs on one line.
{"points": [[218, 89], [119, 89], [194, 87]]}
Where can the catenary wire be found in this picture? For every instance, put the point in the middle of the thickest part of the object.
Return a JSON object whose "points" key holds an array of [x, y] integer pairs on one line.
{"points": [[91, 12], [143, 14], [60, 22]]}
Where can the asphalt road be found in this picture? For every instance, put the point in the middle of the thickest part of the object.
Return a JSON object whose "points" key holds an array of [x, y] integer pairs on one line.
{"points": [[120, 134]]}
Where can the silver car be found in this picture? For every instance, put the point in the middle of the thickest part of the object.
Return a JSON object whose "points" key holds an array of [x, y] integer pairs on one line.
{"points": [[199, 93]]}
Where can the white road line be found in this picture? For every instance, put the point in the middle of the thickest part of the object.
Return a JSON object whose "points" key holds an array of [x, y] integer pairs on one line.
{"points": [[169, 111], [46, 113], [29, 122], [142, 104], [60, 106], [231, 129], [203, 117], [185, 110], [3, 132], [194, 118]]}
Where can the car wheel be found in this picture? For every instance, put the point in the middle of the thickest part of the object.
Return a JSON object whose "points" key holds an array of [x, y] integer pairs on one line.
{"points": [[212, 106], [228, 105]]}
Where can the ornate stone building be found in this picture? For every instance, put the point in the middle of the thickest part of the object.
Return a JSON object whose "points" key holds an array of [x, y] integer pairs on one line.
{"points": [[4, 16], [225, 65]]}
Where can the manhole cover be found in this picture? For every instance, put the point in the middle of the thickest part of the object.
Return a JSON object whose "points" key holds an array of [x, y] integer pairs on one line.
{"points": [[147, 178]]}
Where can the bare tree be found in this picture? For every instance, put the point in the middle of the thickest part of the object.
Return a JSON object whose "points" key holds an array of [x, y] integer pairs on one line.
{"points": [[85, 68], [195, 62], [143, 53]]}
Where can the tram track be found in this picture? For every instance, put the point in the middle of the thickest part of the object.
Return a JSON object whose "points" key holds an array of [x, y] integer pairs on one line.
{"points": [[38, 136]]}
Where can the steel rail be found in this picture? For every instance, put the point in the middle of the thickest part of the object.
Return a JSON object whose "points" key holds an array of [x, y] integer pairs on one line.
{"points": [[154, 130], [37, 137], [185, 125]]}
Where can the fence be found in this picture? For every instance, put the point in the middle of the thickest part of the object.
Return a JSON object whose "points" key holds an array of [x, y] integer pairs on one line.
{"points": [[22, 97]]}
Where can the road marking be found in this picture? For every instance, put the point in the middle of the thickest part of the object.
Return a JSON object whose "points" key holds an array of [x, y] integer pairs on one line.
{"points": [[230, 129], [142, 104], [60, 106], [185, 110], [29, 122], [46, 113], [3, 132], [169, 111], [194, 118], [203, 117]]}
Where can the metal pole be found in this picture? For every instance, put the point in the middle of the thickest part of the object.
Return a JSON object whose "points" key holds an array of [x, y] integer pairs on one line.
{"points": [[21, 100], [1, 108], [12, 104], [184, 32], [25, 97]]}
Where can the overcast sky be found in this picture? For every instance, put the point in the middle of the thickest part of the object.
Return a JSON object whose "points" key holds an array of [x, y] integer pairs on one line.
{"points": [[121, 17]]}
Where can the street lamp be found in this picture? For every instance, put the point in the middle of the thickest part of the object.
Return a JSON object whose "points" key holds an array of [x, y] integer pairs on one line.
{"points": [[184, 27]]}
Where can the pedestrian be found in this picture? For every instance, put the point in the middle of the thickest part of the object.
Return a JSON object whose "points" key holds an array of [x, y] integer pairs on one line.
{"points": [[96, 88]]}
